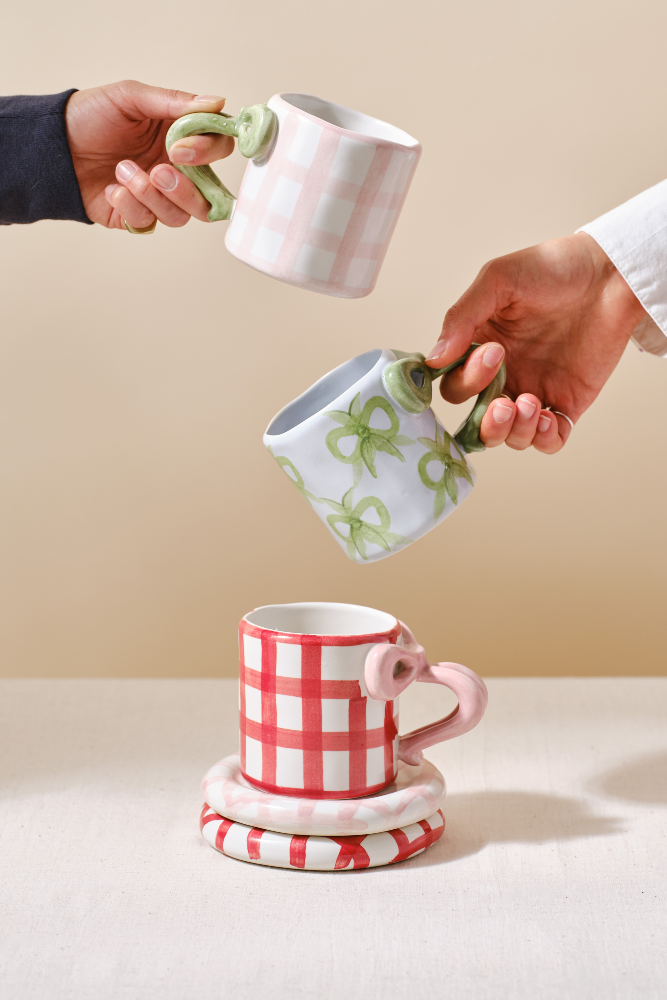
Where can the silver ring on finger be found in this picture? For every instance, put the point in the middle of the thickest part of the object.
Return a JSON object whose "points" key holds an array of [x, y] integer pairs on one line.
{"points": [[561, 414]]}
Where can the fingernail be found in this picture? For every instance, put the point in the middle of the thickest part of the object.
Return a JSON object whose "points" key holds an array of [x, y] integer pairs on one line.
{"points": [[208, 98], [164, 177], [110, 188], [181, 154], [544, 423], [126, 169], [525, 408], [502, 413], [492, 356], [437, 351]]}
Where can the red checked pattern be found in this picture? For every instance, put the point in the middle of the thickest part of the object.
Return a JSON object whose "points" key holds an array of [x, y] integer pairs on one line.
{"points": [[302, 734], [364, 851]]}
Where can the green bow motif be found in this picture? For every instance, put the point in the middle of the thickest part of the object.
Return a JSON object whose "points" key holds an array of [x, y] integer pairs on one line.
{"points": [[363, 532], [286, 464], [439, 450], [370, 440]]}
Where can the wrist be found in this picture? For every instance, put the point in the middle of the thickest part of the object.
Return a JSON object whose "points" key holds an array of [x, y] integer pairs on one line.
{"points": [[601, 263], [607, 275]]}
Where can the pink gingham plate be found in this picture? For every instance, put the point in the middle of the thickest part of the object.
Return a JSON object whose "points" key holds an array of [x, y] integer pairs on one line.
{"points": [[417, 793], [328, 854]]}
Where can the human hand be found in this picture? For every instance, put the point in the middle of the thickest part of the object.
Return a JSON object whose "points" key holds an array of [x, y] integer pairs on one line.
{"points": [[561, 315], [128, 122]]}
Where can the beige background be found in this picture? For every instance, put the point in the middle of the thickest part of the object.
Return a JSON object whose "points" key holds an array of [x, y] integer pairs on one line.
{"points": [[141, 516]]}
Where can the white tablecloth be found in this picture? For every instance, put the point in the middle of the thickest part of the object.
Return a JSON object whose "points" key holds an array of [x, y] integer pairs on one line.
{"points": [[548, 883]]}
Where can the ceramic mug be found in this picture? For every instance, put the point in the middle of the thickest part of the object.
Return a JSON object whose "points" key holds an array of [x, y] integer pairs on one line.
{"points": [[321, 193], [366, 451], [319, 688]]}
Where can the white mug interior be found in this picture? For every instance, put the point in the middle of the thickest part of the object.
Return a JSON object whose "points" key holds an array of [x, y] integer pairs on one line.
{"points": [[321, 618], [323, 392], [352, 121]]}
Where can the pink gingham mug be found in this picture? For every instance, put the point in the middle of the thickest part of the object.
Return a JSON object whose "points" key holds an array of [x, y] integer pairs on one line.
{"points": [[321, 193], [319, 688]]}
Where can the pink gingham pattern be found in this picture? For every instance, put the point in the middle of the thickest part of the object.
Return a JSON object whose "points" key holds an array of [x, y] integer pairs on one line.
{"points": [[283, 850], [307, 724], [416, 793], [320, 209]]}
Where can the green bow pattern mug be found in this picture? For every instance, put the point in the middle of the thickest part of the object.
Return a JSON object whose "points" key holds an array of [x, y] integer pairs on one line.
{"points": [[365, 449]]}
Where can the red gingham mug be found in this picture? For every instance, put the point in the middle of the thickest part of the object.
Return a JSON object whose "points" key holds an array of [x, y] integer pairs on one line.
{"points": [[319, 687]]}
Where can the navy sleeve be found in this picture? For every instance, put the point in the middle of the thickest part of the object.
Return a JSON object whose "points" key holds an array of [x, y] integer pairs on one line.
{"points": [[37, 177]]}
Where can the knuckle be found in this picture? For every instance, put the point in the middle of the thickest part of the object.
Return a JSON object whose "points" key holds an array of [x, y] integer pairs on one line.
{"points": [[174, 95], [452, 393], [174, 216], [551, 449], [492, 267], [453, 313], [185, 196], [125, 88], [518, 445], [141, 183], [171, 222]]}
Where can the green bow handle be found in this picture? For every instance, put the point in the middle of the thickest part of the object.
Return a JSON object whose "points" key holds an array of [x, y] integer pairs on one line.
{"points": [[254, 127], [410, 381]]}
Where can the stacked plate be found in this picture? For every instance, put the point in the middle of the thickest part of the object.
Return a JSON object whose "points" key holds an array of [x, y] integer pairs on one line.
{"points": [[284, 831]]}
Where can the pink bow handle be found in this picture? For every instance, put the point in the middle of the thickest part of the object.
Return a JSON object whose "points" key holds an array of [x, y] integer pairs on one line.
{"points": [[391, 668]]}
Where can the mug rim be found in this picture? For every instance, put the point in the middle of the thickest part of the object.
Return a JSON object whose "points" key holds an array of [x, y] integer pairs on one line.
{"points": [[413, 145], [385, 356], [347, 638]]}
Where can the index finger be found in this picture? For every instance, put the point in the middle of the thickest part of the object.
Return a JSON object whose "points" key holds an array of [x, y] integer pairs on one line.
{"points": [[143, 101], [196, 150], [477, 304]]}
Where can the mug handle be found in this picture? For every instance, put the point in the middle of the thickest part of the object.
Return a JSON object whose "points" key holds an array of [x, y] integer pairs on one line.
{"points": [[254, 127], [390, 668], [409, 380]]}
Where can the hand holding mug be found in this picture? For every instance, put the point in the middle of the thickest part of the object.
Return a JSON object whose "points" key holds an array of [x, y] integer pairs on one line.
{"points": [[321, 194], [563, 314], [117, 134], [367, 452]]}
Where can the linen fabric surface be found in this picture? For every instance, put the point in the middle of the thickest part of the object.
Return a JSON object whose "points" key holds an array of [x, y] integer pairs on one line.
{"points": [[634, 237], [548, 883], [37, 180]]}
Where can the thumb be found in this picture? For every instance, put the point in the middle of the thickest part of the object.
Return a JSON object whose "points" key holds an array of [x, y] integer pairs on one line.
{"points": [[139, 101], [477, 304]]}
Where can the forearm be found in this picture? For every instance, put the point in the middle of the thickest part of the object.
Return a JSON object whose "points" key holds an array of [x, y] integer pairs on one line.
{"points": [[37, 177]]}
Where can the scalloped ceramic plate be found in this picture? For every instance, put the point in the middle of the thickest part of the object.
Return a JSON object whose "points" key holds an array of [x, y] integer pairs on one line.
{"points": [[416, 794], [328, 854]]}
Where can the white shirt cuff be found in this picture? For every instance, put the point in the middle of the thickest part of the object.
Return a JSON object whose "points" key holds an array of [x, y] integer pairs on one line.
{"points": [[634, 237]]}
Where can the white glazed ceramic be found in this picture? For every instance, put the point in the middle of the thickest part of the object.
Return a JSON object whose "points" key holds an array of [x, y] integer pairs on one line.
{"points": [[319, 209], [378, 476], [318, 690], [416, 793], [283, 850]]}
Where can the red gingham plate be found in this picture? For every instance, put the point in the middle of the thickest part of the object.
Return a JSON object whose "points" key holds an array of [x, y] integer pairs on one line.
{"points": [[418, 792], [328, 854]]}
